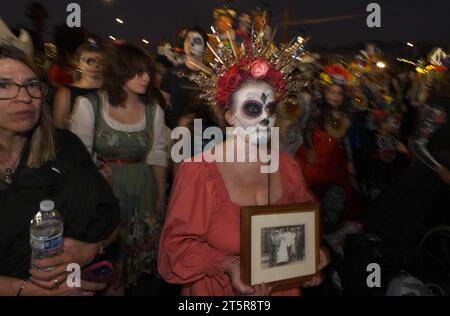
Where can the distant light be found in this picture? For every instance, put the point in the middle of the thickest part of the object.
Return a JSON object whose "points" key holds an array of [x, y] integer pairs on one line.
{"points": [[119, 21], [112, 37], [410, 44], [145, 41], [213, 29], [381, 65], [406, 61]]}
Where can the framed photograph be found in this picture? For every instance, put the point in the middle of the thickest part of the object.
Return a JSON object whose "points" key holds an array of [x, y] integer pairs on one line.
{"points": [[279, 244]]}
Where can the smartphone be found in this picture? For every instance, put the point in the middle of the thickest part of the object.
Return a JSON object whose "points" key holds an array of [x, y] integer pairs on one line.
{"points": [[101, 272]]}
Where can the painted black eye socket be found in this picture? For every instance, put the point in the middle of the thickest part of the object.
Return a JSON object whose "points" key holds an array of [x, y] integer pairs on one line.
{"points": [[271, 108], [252, 109], [197, 41]]}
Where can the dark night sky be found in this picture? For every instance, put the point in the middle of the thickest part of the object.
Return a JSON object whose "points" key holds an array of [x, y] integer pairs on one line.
{"points": [[402, 20]]}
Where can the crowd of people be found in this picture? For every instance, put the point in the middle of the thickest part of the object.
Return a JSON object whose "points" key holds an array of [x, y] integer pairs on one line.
{"points": [[367, 141]]}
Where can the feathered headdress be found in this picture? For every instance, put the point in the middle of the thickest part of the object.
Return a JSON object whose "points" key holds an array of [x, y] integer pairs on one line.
{"points": [[336, 74]]}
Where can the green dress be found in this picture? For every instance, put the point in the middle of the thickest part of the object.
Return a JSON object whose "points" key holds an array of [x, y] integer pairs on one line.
{"points": [[134, 184]]}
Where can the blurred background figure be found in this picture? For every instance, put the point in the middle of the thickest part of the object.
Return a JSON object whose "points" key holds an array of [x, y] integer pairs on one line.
{"points": [[88, 65]]}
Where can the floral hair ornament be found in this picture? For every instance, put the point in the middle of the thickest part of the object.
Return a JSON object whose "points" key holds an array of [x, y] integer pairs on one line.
{"points": [[336, 74], [232, 65]]}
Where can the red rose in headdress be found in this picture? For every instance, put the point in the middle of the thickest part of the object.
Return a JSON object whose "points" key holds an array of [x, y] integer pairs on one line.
{"points": [[246, 68], [259, 68]]}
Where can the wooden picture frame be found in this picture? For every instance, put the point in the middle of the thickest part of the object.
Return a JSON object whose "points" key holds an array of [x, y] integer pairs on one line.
{"points": [[266, 230]]}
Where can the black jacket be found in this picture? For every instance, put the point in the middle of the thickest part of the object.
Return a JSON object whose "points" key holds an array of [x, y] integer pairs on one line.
{"points": [[85, 201]]}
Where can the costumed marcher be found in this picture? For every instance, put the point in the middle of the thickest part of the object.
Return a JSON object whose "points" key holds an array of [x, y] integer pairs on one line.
{"points": [[124, 129], [326, 157], [180, 90], [200, 242], [419, 201], [379, 168], [88, 63], [294, 115]]}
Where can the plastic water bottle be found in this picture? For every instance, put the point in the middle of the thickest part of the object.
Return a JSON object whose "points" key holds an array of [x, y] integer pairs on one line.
{"points": [[46, 233]]}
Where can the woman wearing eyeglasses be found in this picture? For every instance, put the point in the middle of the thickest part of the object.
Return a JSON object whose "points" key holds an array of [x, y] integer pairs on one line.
{"points": [[38, 163], [88, 62]]}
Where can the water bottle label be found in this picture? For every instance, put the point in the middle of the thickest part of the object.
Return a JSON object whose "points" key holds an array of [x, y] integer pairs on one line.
{"points": [[47, 243]]}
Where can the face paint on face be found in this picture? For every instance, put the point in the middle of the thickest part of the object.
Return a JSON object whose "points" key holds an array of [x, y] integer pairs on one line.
{"points": [[194, 44], [91, 64], [253, 106]]}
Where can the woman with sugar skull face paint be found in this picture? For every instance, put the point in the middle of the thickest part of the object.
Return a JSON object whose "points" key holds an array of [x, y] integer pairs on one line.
{"points": [[180, 91], [326, 157], [200, 242], [253, 111], [88, 62]]}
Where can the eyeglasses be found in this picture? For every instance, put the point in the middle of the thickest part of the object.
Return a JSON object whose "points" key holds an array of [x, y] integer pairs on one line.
{"points": [[10, 90], [90, 61]]}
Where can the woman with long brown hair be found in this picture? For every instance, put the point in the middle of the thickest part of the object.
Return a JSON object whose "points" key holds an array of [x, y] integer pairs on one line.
{"points": [[124, 130]]}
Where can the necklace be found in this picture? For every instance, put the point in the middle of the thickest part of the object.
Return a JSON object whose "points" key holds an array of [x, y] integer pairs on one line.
{"points": [[9, 172]]}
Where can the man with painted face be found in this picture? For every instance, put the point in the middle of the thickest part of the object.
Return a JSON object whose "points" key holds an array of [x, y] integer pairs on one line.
{"points": [[200, 242], [179, 89]]}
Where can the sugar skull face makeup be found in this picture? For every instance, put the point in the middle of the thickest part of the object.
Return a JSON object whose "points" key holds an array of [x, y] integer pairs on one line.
{"points": [[194, 44], [253, 111]]}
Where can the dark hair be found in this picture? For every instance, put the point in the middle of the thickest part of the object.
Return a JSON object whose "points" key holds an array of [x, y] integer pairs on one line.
{"points": [[123, 63], [324, 109], [42, 137], [198, 30]]}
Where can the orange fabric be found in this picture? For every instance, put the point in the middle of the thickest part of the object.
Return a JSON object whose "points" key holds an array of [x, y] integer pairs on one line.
{"points": [[203, 226]]}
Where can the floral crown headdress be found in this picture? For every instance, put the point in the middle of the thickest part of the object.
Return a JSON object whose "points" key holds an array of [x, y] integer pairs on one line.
{"points": [[233, 64]]}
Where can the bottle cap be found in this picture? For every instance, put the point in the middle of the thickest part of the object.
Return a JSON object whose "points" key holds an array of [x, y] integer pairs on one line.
{"points": [[47, 206]]}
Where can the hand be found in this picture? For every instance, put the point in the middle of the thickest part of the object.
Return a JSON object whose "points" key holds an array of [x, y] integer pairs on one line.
{"points": [[444, 174], [74, 252], [233, 269], [106, 172], [86, 289], [318, 278]]}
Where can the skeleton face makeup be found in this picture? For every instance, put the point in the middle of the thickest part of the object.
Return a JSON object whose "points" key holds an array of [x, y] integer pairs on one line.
{"points": [[194, 45], [253, 111]]}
